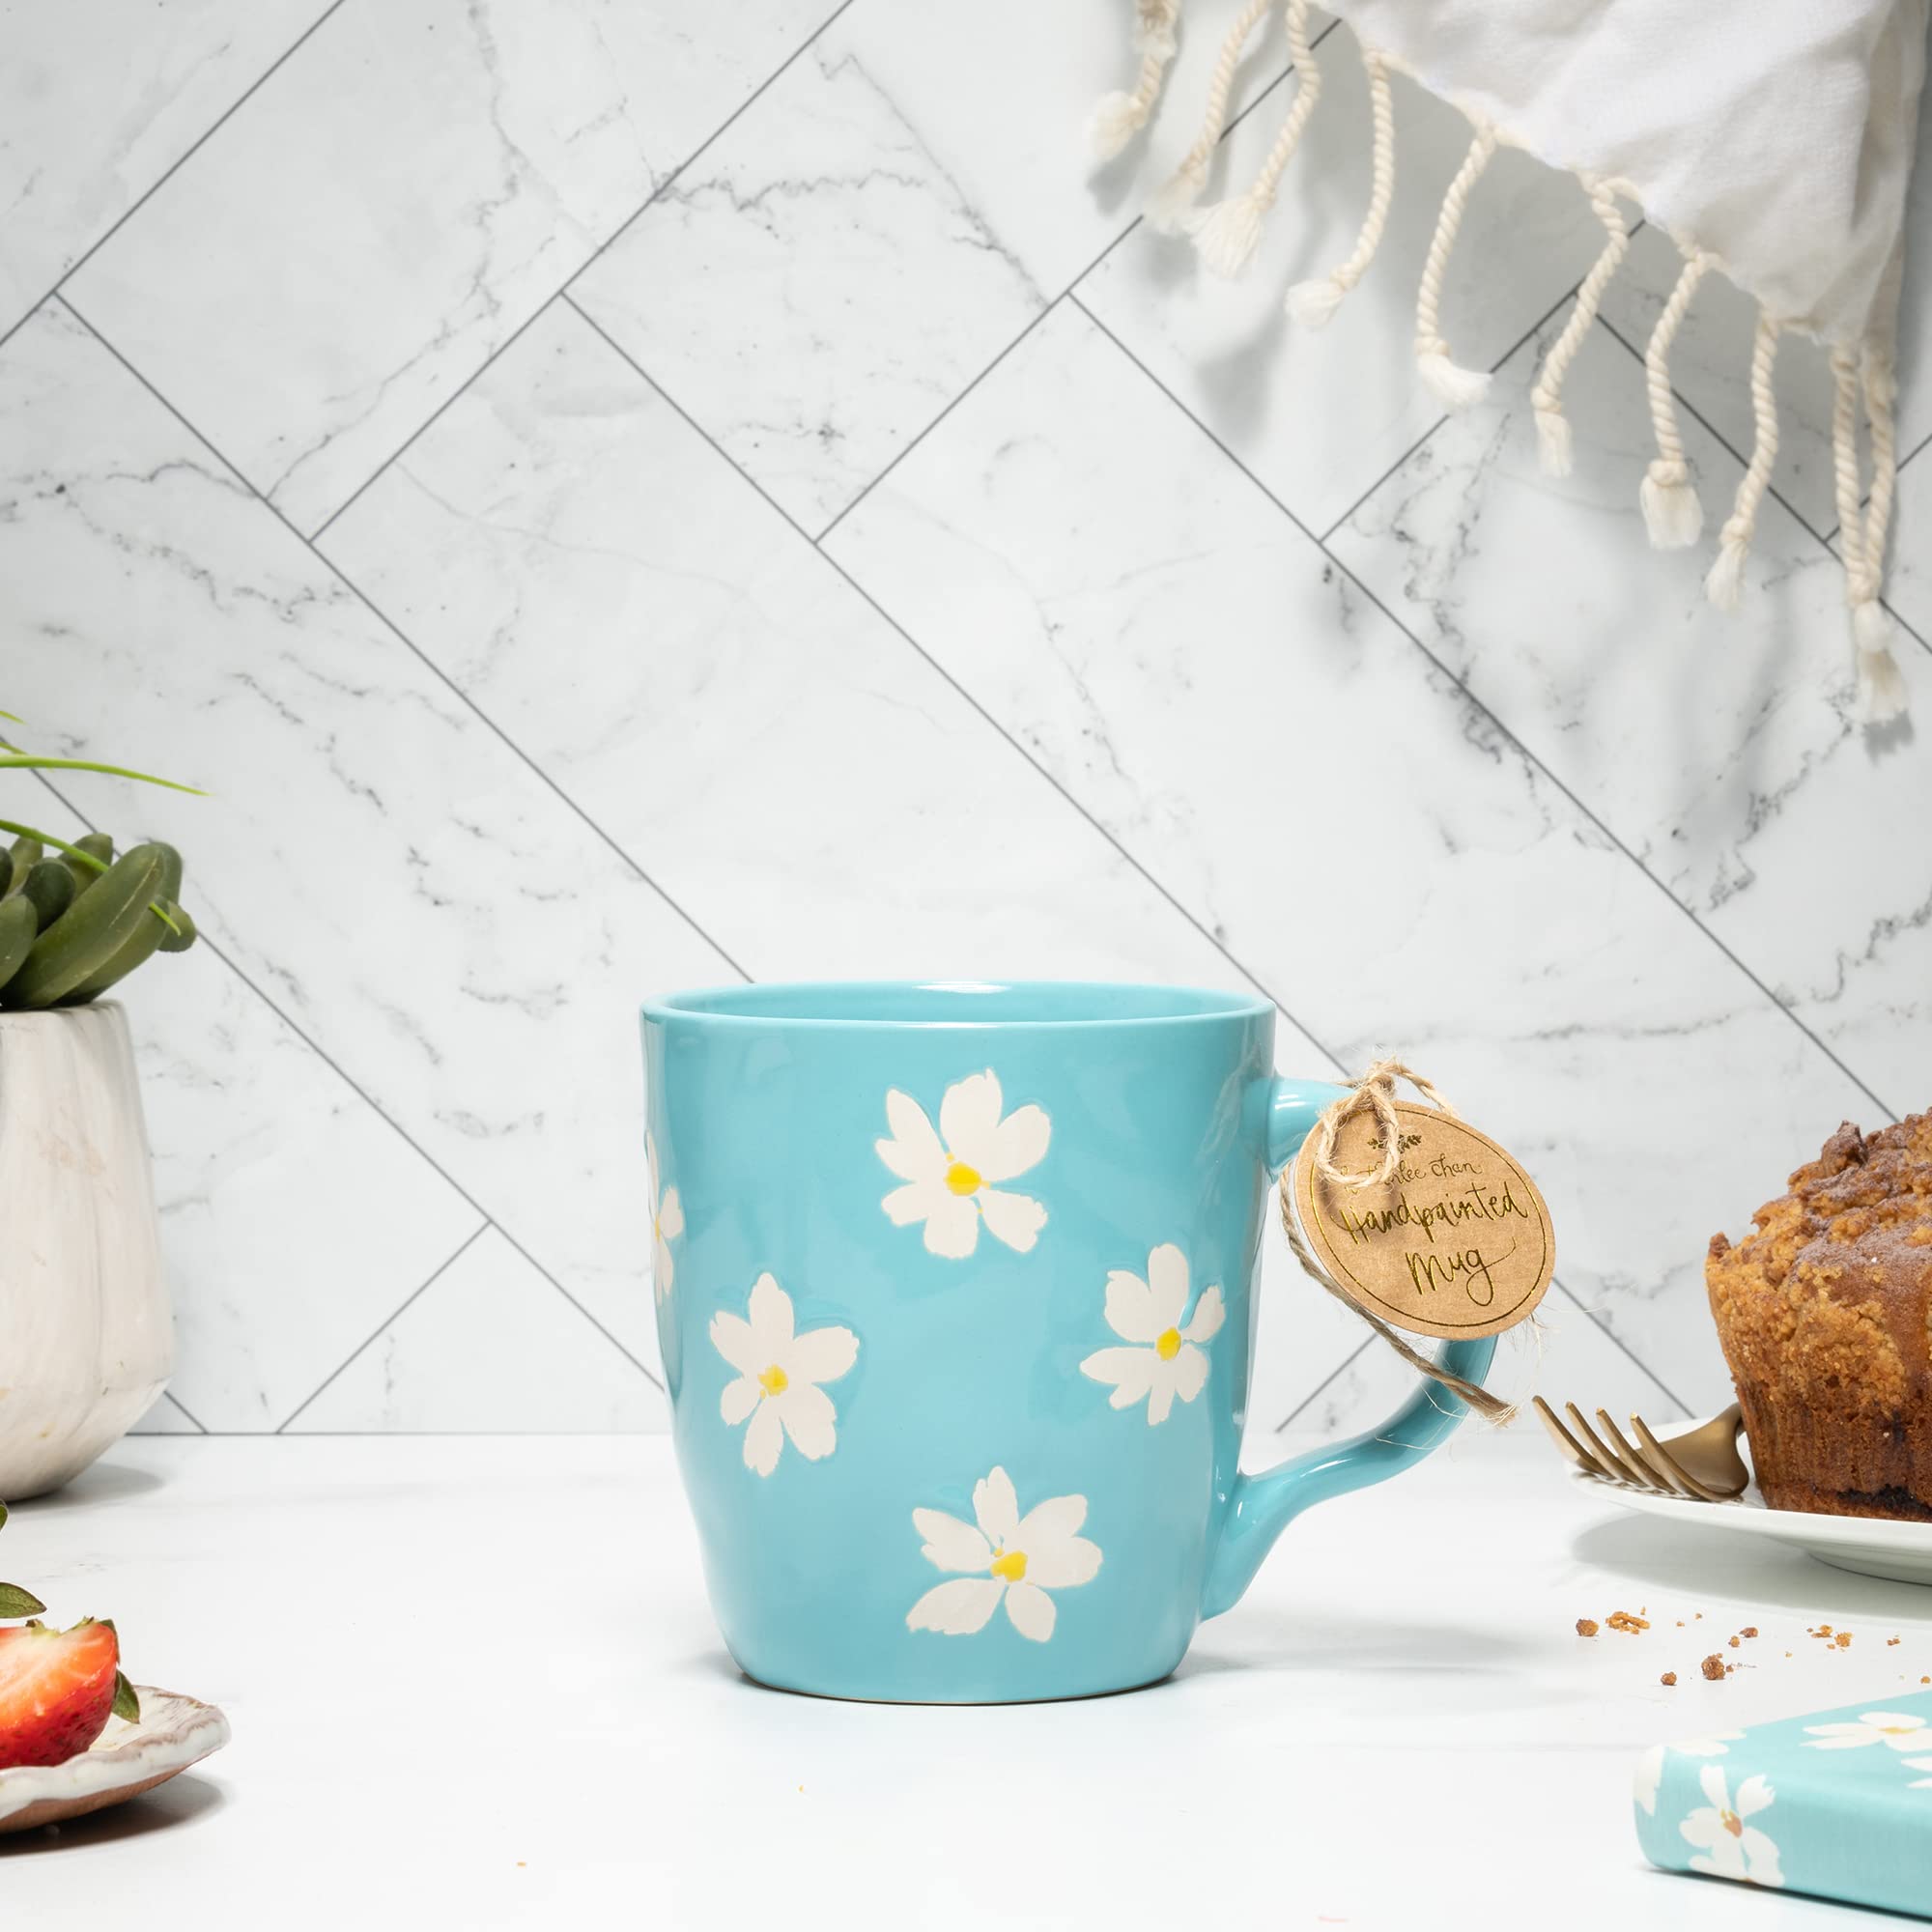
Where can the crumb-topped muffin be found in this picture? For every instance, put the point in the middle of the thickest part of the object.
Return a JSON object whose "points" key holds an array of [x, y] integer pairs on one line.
{"points": [[1823, 1315]]}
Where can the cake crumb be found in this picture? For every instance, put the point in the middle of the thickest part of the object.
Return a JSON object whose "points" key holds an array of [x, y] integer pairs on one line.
{"points": [[1680, 1623], [1843, 1639], [1697, 1616], [1621, 1620], [1713, 1667], [1586, 1626], [1734, 1643], [1749, 1629], [1890, 1643], [1668, 1677]]}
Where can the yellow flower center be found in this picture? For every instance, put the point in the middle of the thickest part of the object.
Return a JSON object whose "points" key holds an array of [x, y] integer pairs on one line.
{"points": [[774, 1380], [961, 1178], [1732, 1823], [1898, 1730], [1010, 1565], [1168, 1345]]}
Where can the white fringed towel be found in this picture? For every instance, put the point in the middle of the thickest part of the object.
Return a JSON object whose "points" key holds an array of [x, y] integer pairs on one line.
{"points": [[1773, 142]]}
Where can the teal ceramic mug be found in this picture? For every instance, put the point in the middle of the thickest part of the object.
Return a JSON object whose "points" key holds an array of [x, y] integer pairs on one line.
{"points": [[955, 1291]]}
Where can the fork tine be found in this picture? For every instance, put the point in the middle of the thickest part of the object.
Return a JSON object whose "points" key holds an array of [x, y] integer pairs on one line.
{"points": [[1565, 1443], [1658, 1478], [1636, 1476], [1661, 1457], [1608, 1465]]}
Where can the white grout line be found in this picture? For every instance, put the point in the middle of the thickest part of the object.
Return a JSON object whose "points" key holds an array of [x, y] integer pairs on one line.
{"points": [[395, 1126], [394, 1315], [127, 213], [1462, 685]]}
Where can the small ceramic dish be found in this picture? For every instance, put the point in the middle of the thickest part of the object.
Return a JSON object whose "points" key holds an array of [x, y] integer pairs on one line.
{"points": [[123, 1761], [1870, 1545]]}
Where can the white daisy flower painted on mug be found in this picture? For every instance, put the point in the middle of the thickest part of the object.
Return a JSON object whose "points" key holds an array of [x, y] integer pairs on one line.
{"points": [[779, 1374], [1725, 1846], [1167, 1358], [666, 1223], [1013, 1558], [950, 1175], [1876, 1727], [1918, 1764]]}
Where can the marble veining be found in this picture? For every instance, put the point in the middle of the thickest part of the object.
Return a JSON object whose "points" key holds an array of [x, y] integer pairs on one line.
{"points": [[723, 488], [426, 910], [1468, 911], [1321, 415], [92, 116], [836, 269], [423, 179], [1754, 773]]}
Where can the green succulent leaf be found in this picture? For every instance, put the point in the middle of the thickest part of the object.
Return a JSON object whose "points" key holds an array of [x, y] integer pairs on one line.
{"points": [[20, 927], [125, 1703], [50, 890], [95, 852], [18, 862], [182, 932], [104, 934], [32, 761], [15, 1602], [58, 845]]}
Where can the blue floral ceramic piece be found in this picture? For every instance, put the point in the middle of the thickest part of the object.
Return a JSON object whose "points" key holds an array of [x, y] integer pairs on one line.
{"points": [[955, 1291], [1838, 1803]]}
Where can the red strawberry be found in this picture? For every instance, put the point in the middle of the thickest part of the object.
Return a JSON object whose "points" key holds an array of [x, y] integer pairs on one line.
{"points": [[56, 1690]]}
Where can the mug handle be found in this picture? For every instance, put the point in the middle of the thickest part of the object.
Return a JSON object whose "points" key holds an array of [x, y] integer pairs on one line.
{"points": [[1261, 1506]]}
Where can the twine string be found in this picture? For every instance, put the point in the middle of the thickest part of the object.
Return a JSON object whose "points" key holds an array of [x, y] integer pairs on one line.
{"points": [[1374, 1094]]}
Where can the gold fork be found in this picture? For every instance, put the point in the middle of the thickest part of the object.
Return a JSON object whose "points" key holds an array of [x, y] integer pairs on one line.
{"points": [[1702, 1463]]}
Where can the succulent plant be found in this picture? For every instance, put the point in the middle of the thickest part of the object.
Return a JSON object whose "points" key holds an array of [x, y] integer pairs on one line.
{"points": [[73, 926]]}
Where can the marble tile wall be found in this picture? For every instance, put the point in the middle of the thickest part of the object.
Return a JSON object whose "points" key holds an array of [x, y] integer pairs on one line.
{"points": [[606, 498]]}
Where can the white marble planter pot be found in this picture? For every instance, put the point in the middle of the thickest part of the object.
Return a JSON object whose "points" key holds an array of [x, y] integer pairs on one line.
{"points": [[86, 1340]]}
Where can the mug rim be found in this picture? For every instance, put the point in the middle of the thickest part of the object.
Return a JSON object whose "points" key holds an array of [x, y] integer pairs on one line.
{"points": [[788, 1003]]}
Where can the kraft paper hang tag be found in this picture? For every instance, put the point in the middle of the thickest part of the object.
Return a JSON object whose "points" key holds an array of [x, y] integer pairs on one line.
{"points": [[1456, 1243]]}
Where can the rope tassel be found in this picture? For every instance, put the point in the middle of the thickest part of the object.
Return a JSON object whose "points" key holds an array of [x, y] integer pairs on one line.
{"points": [[1168, 208], [1862, 538], [1452, 386], [1725, 585], [1553, 426], [1313, 305], [1228, 234], [1116, 118], [1673, 512]]}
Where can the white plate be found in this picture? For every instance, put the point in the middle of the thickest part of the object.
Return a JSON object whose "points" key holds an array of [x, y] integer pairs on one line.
{"points": [[1871, 1546], [123, 1761]]}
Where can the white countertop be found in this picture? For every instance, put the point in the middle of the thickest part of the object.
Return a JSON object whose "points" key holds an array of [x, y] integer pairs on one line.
{"points": [[474, 1683]]}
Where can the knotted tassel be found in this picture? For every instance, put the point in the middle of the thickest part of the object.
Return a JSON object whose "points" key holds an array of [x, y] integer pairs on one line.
{"points": [[1168, 208], [1861, 539], [1725, 585], [1313, 305], [1673, 512], [1553, 426], [1116, 118], [1227, 234], [1452, 386]]}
